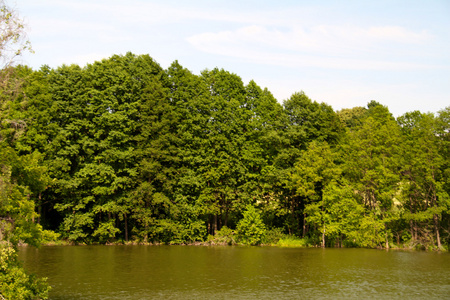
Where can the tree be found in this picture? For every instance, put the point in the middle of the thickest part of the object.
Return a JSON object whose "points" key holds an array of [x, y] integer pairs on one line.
{"points": [[14, 282], [305, 121], [19, 178], [314, 171], [17, 212], [34, 106], [173, 144], [251, 228], [264, 129], [13, 41], [443, 134], [228, 151], [352, 117], [95, 153], [371, 162], [425, 198]]}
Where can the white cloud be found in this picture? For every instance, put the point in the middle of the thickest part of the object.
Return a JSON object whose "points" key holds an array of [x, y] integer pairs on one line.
{"points": [[397, 34], [320, 46], [279, 37]]}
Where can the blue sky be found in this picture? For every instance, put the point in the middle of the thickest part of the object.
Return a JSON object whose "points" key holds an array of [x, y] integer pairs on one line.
{"points": [[344, 53]]}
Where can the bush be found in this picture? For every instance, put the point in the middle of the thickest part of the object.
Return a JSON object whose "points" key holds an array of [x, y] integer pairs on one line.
{"points": [[190, 232], [51, 238], [292, 241], [14, 282], [273, 235], [251, 228], [223, 236]]}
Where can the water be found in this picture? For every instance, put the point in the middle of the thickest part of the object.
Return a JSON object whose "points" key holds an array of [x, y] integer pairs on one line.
{"points": [[196, 272]]}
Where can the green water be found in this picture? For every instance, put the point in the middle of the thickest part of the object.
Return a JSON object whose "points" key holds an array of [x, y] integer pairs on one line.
{"points": [[196, 272]]}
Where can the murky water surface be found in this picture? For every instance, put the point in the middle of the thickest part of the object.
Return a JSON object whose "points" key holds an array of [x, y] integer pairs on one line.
{"points": [[196, 272]]}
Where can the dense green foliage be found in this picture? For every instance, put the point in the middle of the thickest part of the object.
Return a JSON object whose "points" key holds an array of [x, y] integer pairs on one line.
{"points": [[22, 175], [22, 178], [123, 150], [251, 228], [14, 282]]}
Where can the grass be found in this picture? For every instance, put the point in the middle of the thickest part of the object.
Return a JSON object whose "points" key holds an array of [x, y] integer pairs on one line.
{"points": [[292, 241]]}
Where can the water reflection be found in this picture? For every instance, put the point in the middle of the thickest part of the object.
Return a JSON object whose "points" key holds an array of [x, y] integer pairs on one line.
{"points": [[192, 272]]}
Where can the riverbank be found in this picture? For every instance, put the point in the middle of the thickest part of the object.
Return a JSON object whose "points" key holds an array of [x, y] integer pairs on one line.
{"points": [[228, 237], [285, 242]]}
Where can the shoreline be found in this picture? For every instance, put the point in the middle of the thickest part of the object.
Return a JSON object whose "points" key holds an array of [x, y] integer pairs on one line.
{"points": [[214, 244]]}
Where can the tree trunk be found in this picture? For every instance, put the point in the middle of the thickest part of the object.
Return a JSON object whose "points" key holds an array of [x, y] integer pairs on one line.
{"points": [[208, 225], [411, 228], [304, 226], [215, 224], [146, 233], [211, 225], [292, 216], [323, 236], [126, 227], [225, 223], [39, 209], [387, 241], [415, 230], [436, 228], [386, 235], [436, 219]]}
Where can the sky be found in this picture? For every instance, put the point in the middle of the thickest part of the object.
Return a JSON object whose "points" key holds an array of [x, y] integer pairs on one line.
{"points": [[343, 53]]}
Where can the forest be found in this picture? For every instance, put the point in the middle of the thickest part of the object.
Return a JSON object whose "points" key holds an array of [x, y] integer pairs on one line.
{"points": [[123, 151]]}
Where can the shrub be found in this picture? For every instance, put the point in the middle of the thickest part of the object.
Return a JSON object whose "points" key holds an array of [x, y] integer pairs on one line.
{"points": [[223, 236], [273, 235], [292, 241], [251, 228], [14, 282]]}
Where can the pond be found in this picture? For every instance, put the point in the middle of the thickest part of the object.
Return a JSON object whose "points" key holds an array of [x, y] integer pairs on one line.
{"points": [[199, 272]]}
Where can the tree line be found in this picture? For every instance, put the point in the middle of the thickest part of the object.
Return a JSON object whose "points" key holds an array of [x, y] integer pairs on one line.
{"points": [[124, 150]]}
